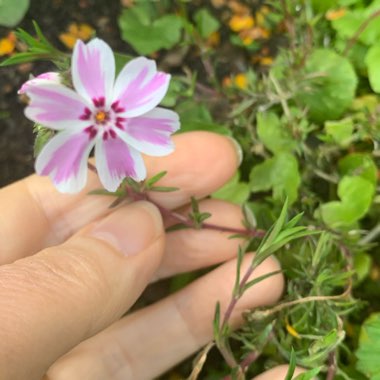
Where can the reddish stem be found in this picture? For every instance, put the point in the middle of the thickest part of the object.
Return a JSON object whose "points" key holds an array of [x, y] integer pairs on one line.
{"points": [[351, 42], [235, 298], [136, 196], [331, 372]]}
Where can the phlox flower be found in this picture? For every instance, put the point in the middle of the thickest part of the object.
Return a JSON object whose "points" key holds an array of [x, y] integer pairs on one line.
{"points": [[120, 118], [42, 78]]}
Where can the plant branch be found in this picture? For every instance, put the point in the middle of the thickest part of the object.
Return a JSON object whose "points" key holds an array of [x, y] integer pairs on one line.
{"points": [[186, 221], [332, 366], [235, 297], [371, 236], [351, 42], [279, 307]]}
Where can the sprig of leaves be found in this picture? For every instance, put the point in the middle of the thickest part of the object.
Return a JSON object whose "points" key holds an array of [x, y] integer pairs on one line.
{"points": [[280, 234], [39, 48]]}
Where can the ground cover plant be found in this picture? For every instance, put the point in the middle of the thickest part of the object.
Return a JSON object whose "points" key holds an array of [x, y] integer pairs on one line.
{"points": [[296, 83]]}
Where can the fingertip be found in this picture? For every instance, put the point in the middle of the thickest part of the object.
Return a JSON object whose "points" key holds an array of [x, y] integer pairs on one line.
{"points": [[201, 163], [278, 373]]}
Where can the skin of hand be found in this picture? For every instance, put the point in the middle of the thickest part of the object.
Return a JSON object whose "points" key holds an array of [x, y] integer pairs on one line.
{"points": [[70, 268]]}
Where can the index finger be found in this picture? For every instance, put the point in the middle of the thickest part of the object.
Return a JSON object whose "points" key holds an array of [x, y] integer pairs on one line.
{"points": [[34, 215]]}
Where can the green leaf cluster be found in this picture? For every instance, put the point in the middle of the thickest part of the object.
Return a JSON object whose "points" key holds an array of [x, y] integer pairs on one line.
{"points": [[39, 48]]}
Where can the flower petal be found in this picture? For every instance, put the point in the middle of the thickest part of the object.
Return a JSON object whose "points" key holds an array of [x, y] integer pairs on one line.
{"points": [[115, 160], [55, 106], [64, 159], [150, 133], [93, 70], [49, 77], [140, 87]]}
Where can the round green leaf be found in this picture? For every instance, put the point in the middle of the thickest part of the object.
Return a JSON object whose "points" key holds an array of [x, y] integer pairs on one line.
{"points": [[369, 347], [356, 194], [280, 174], [274, 135], [332, 87], [206, 23], [359, 164], [147, 36], [12, 12]]}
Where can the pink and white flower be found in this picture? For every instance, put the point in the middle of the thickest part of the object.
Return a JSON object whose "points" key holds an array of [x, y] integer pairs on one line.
{"points": [[120, 118], [42, 78]]}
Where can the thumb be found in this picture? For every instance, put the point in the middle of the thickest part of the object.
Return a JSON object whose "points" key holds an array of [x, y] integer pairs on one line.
{"points": [[53, 300]]}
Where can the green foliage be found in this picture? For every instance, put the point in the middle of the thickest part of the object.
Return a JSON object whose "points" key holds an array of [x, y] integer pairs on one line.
{"points": [[12, 12], [369, 347], [39, 48], [279, 174], [43, 135], [362, 264], [340, 131], [233, 191], [273, 134], [350, 23], [197, 216], [359, 164], [196, 117], [141, 21], [330, 85], [205, 22], [356, 194], [372, 60]]}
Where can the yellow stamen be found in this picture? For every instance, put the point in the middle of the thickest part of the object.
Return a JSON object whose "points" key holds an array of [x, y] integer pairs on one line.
{"points": [[100, 116]]}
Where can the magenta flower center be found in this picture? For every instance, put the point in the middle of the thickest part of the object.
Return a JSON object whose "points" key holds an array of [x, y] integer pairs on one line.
{"points": [[103, 120]]}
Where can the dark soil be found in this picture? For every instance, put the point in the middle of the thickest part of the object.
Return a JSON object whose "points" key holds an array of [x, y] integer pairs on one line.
{"points": [[53, 16]]}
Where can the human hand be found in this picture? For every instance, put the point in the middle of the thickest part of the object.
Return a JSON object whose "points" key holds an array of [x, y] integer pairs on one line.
{"points": [[71, 267]]}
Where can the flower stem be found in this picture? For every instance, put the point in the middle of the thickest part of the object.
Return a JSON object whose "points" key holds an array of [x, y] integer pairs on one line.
{"points": [[235, 297], [208, 226]]}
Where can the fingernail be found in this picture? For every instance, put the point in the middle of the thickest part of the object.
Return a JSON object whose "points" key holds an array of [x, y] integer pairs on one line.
{"points": [[130, 229], [238, 149]]}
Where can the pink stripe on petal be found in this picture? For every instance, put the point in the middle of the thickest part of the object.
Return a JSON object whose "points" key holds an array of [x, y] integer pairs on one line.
{"points": [[93, 70], [150, 133], [140, 87], [64, 159], [49, 77], [115, 160], [55, 106]]}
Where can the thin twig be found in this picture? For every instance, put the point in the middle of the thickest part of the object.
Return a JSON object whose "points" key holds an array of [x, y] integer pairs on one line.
{"points": [[282, 96], [279, 307], [351, 42], [332, 366], [371, 236]]}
